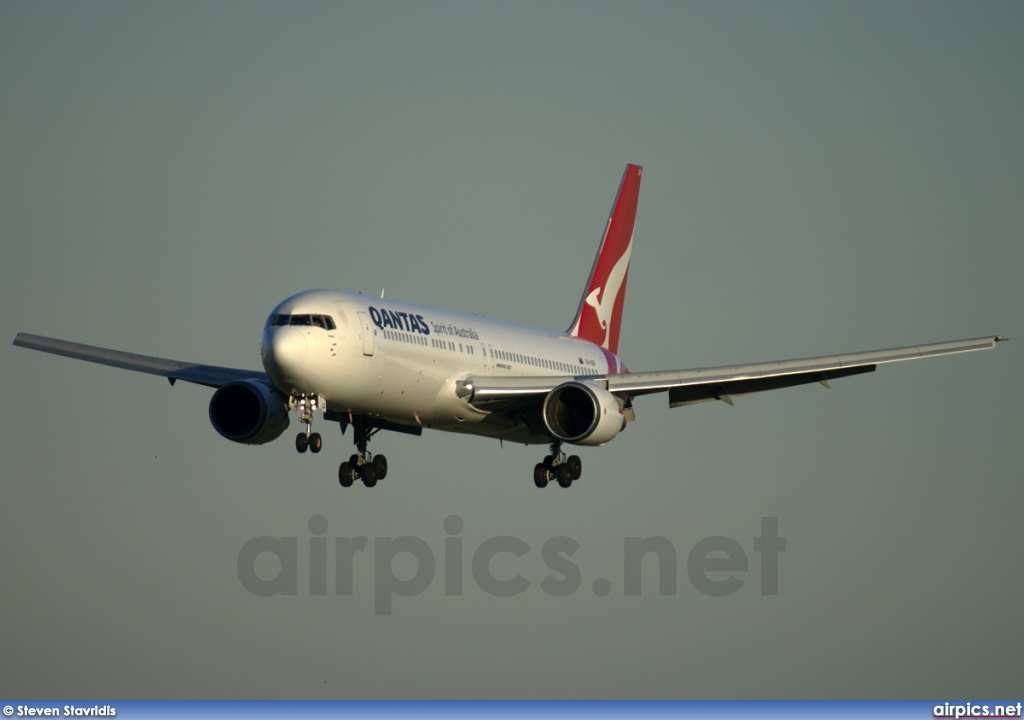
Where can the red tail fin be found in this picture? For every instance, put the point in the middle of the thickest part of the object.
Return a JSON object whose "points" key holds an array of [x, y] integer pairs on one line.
{"points": [[599, 316]]}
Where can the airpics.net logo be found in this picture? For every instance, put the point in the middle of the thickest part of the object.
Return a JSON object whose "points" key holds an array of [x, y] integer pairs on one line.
{"points": [[716, 566]]}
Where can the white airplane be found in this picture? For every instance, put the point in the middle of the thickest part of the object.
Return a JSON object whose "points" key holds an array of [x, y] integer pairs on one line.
{"points": [[381, 364]]}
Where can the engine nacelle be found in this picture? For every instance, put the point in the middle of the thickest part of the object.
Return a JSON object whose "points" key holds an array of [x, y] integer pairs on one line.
{"points": [[583, 414], [248, 411]]}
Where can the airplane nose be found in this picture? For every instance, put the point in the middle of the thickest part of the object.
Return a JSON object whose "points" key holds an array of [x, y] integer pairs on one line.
{"points": [[284, 354]]}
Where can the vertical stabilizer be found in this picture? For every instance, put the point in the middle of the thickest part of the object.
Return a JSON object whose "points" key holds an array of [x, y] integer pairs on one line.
{"points": [[599, 316]]}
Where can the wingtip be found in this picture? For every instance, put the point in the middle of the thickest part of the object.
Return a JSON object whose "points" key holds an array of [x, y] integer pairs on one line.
{"points": [[1001, 338]]}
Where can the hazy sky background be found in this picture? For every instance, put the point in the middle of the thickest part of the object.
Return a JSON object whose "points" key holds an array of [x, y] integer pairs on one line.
{"points": [[819, 178]]}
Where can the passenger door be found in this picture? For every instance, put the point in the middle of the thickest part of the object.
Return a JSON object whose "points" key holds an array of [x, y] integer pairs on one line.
{"points": [[368, 331]]}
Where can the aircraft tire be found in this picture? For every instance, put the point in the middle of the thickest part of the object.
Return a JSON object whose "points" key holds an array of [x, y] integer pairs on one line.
{"points": [[301, 442], [575, 467], [369, 475], [540, 475], [563, 475], [380, 466], [345, 475], [315, 443]]}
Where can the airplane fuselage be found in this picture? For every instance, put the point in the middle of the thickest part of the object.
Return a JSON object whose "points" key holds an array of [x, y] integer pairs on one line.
{"points": [[401, 362]]}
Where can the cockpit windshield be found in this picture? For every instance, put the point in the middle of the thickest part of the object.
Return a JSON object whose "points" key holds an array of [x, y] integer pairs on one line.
{"points": [[321, 321]]}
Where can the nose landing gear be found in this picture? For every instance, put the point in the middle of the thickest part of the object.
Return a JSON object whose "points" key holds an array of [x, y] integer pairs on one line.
{"points": [[308, 439]]}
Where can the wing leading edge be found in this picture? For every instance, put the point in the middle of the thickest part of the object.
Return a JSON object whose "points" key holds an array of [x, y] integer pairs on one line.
{"points": [[209, 375], [686, 387]]}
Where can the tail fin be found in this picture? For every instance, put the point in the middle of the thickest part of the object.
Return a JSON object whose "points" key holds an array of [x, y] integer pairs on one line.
{"points": [[599, 316]]}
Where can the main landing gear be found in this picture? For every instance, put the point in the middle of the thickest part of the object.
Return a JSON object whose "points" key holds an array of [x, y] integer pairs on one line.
{"points": [[363, 465], [307, 439], [557, 466]]}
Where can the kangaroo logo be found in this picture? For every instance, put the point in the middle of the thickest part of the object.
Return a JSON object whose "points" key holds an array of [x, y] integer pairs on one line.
{"points": [[606, 305]]}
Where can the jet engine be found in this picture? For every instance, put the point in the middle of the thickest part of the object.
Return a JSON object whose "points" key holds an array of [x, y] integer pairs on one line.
{"points": [[248, 411], [583, 414]]}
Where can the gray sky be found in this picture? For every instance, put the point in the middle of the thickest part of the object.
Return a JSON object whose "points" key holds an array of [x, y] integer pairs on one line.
{"points": [[819, 178]]}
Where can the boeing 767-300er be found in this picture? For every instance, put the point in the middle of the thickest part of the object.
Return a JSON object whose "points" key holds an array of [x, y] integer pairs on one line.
{"points": [[379, 364]]}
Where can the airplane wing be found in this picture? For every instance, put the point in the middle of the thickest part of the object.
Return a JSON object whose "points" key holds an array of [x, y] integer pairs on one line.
{"points": [[686, 387], [209, 375]]}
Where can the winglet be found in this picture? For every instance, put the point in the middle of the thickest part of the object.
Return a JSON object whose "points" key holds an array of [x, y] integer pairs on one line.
{"points": [[599, 317]]}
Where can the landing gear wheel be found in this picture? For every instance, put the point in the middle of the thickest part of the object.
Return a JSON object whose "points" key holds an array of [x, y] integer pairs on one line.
{"points": [[345, 475], [575, 466], [369, 475], [540, 475], [301, 442], [353, 460], [563, 475], [315, 443], [380, 466]]}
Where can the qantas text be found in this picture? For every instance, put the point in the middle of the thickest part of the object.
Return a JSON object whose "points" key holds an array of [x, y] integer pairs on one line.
{"points": [[384, 318]]}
